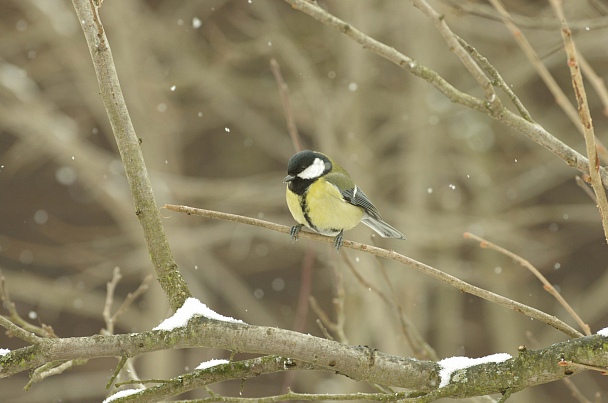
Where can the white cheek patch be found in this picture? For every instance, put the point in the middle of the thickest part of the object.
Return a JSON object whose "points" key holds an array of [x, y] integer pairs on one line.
{"points": [[315, 170]]}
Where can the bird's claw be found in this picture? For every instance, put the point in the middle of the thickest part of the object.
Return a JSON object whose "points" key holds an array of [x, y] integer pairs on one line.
{"points": [[295, 230], [338, 241]]}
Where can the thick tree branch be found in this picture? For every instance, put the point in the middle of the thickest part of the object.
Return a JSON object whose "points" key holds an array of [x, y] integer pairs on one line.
{"points": [[357, 362], [167, 272], [362, 363]]}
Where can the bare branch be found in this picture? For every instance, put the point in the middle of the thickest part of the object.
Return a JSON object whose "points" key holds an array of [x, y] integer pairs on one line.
{"points": [[585, 116], [167, 273], [26, 328], [132, 297], [456, 47], [532, 130], [498, 80], [533, 367], [392, 255], [560, 97], [107, 308], [18, 332], [292, 128]]}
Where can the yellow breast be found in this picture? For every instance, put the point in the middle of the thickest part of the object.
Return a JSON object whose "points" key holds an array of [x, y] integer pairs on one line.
{"points": [[325, 208], [293, 203]]}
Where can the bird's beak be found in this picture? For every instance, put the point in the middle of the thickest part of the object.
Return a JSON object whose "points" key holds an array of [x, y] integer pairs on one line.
{"points": [[288, 178]]}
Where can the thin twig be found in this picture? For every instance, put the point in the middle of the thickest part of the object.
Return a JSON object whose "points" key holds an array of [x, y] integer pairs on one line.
{"points": [[284, 90], [15, 318], [560, 97], [547, 286], [132, 296], [585, 115], [323, 317], [110, 318], [366, 284], [119, 367], [50, 369], [18, 332], [498, 80], [392, 255], [575, 391], [107, 308], [529, 22], [324, 330]]}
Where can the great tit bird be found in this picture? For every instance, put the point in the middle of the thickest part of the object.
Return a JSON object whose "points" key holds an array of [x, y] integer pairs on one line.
{"points": [[322, 196]]}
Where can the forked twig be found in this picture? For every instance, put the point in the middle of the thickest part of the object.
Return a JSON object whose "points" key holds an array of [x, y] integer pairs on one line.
{"points": [[465, 58], [22, 328], [499, 82], [110, 318]]}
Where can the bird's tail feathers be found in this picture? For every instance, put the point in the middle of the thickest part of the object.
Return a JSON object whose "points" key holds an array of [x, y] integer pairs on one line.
{"points": [[383, 229]]}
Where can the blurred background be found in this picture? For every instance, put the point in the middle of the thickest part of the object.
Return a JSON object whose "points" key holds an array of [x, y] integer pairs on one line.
{"points": [[196, 76]]}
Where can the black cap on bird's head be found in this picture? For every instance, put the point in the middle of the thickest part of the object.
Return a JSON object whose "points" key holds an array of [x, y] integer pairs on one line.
{"points": [[307, 165]]}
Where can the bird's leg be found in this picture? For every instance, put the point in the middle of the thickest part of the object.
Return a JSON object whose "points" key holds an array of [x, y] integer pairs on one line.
{"points": [[295, 230], [338, 240]]}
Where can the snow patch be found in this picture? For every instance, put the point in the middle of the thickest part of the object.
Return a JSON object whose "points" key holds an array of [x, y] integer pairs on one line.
{"points": [[4, 351], [603, 332], [192, 307], [211, 363], [122, 393], [449, 365]]}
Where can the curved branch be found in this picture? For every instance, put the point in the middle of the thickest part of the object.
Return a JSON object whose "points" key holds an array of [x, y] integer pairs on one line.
{"points": [[357, 362], [392, 255], [167, 273], [531, 367]]}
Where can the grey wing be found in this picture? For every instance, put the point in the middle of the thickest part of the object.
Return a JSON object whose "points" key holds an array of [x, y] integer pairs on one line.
{"points": [[371, 218], [356, 197]]}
